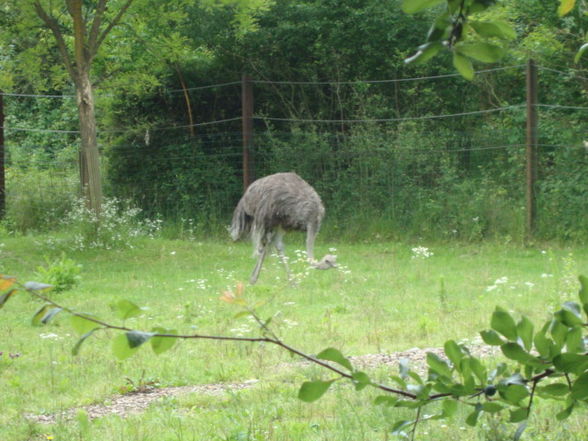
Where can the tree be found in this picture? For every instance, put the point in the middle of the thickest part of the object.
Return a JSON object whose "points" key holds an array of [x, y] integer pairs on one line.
{"points": [[89, 25], [78, 30]]}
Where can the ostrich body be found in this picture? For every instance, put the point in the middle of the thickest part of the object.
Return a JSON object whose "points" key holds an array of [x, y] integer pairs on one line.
{"points": [[273, 205]]}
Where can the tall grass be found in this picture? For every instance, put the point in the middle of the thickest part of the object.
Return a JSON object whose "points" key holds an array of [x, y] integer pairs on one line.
{"points": [[385, 297]]}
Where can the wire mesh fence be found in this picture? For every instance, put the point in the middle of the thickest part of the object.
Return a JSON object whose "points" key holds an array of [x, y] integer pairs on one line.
{"points": [[377, 152]]}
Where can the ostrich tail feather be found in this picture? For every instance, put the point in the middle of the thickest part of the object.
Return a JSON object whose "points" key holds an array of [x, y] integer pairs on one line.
{"points": [[241, 224]]}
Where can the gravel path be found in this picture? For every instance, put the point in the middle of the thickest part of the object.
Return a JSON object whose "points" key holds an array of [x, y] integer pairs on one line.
{"points": [[138, 401]]}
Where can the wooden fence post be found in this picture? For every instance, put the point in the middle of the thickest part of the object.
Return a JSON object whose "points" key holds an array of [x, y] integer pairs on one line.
{"points": [[531, 150], [247, 124]]}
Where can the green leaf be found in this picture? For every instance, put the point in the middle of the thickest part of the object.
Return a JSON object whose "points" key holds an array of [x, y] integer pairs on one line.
{"points": [[503, 323], [580, 387], [484, 52], [50, 314], [494, 29], [332, 354], [566, 412], [565, 6], [559, 332], [126, 309], [463, 66], [36, 321], [408, 404], [525, 332], [361, 380], [491, 338], [553, 390], [45, 314], [545, 346], [125, 345], [492, 407], [515, 352], [4, 297], [416, 377], [137, 338], [570, 314], [583, 279], [440, 28], [453, 352], [449, 408], [499, 370], [121, 348], [425, 53], [162, 344], [480, 5], [385, 400], [518, 415], [412, 6], [478, 369], [571, 363], [312, 390], [575, 341], [438, 365], [81, 324], [472, 418], [513, 393], [399, 381], [36, 286], [399, 425], [579, 54], [76, 349]]}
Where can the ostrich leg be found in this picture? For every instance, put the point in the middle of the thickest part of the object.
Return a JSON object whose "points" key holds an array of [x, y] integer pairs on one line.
{"points": [[311, 233], [257, 269], [279, 243]]}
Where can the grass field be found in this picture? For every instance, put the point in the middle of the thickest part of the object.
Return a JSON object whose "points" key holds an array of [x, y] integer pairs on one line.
{"points": [[384, 297]]}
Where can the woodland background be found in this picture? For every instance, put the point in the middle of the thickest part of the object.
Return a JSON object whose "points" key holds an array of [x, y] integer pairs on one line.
{"points": [[393, 149]]}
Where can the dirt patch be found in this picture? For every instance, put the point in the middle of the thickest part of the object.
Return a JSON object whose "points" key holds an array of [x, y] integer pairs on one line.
{"points": [[138, 401]]}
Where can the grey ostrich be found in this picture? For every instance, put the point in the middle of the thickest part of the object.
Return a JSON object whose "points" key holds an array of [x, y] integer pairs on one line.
{"points": [[273, 205]]}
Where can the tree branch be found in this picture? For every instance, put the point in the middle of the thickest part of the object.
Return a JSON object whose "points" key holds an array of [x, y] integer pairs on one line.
{"points": [[112, 24], [273, 340], [53, 25], [95, 29]]}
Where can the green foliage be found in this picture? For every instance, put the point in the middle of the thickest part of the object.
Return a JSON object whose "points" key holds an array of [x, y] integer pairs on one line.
{"points": [[474, 30], [63, 273], [452, 29]]}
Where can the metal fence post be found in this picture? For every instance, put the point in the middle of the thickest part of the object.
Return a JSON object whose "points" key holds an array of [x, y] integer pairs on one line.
{"points": [[531, 150], [247, 124]]}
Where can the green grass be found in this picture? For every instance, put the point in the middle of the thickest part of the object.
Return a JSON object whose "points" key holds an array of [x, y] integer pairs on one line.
{"points": [[380, 300]]}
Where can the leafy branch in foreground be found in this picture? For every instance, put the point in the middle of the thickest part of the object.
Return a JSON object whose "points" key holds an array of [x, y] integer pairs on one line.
{"points": [[549, 363], [468, 36]]}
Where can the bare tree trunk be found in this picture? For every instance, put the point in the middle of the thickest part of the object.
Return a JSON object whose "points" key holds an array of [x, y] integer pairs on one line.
{"points": [[89, 156]]}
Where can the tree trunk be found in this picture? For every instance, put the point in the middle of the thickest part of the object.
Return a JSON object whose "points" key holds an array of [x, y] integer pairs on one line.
{"points": [[89, 155]]}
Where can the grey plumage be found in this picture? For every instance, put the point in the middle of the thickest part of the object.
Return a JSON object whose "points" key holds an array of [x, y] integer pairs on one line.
{"points": [[275, 204]]}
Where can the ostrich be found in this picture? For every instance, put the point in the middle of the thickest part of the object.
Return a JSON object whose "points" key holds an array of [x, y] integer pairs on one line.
{"points": [[273, 205]]}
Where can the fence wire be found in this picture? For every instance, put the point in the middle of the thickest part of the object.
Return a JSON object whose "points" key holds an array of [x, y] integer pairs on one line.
{"points": [[410, 170]]}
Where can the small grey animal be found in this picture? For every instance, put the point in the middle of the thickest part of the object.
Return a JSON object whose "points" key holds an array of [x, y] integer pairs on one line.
{"points": [[273, 205]]}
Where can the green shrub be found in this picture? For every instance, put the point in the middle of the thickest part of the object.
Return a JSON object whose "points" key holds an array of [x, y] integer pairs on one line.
{"points": [[62, 273]]}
